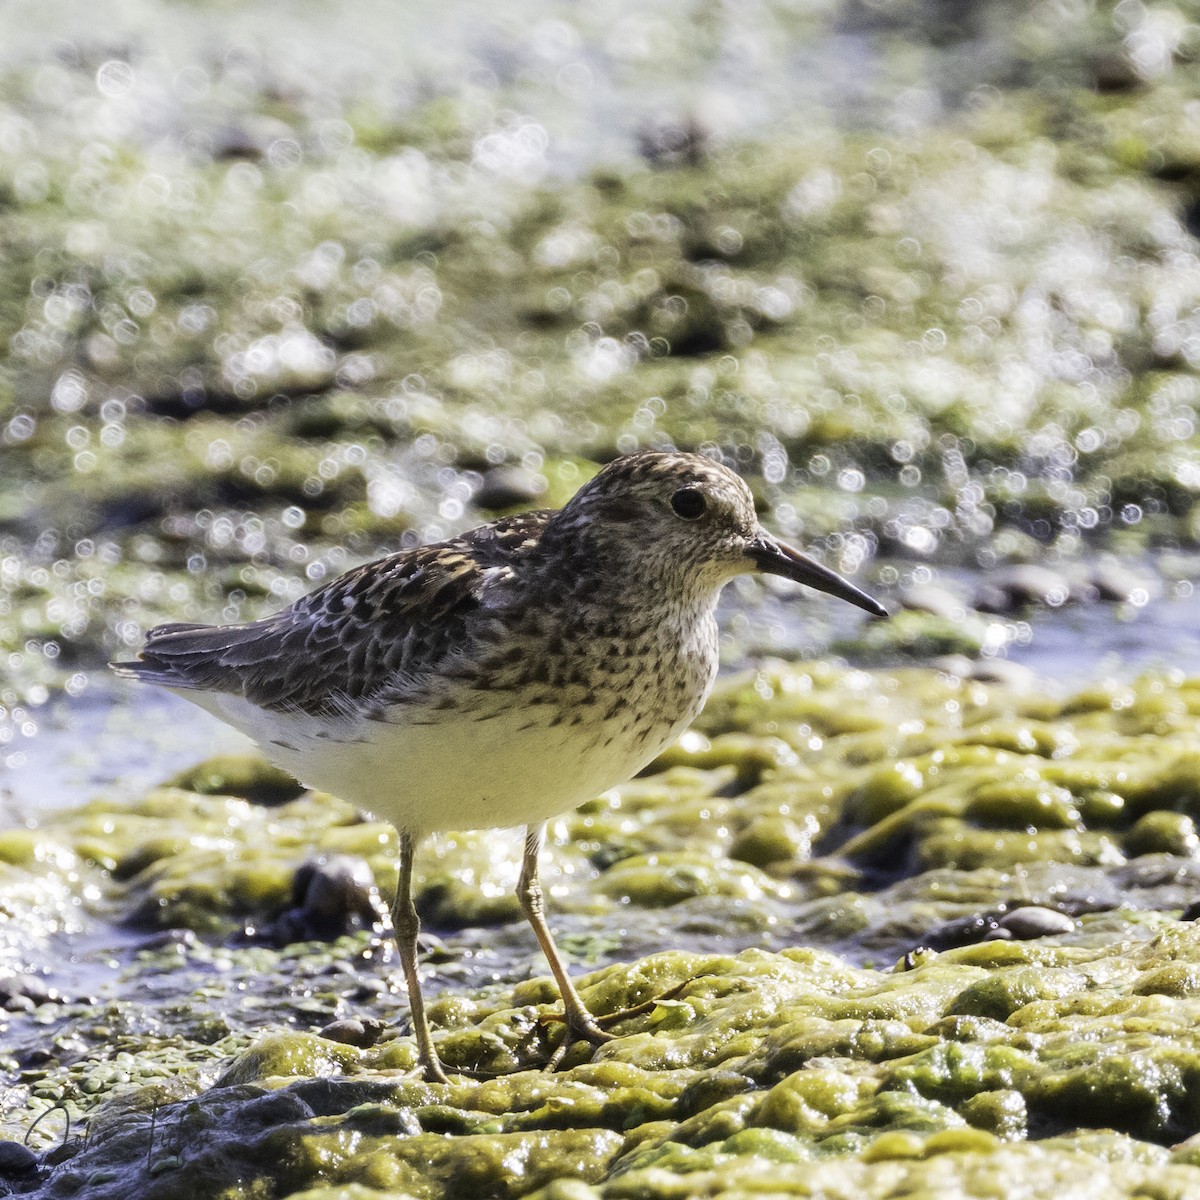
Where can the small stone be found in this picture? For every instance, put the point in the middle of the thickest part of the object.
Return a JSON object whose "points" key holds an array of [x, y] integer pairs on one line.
{"points": [[244, 775], [958, 665], [363, 1033], [930, 598], [16, 1159], [332, 896], [1000, 670], [1033, 921], [180, 940], [963, 931], [509, 487], [367, 989], [20, 993], [1113, 71], [1021, 585], [1117, 583], [334, 888]]}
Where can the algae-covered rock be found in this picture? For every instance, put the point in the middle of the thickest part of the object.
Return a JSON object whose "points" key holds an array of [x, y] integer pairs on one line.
{"points": [[888, 1077], [761, 940]]}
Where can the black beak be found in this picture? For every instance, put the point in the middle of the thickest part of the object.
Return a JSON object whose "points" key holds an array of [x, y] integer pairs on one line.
{"points": [[775, 558]]}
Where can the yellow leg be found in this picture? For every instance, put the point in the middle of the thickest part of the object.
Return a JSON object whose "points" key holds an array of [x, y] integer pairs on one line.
{"points": [[581, 1025], [408, 926]]}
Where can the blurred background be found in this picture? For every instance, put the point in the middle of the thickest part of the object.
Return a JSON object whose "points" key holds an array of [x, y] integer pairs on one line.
{"points": [[287, 286]]}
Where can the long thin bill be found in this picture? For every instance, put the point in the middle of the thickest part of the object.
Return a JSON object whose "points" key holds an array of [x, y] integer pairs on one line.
{"points": [[776, 558]]}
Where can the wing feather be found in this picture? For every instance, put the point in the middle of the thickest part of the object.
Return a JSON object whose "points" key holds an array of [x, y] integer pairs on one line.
{"points": [[380, 629]]}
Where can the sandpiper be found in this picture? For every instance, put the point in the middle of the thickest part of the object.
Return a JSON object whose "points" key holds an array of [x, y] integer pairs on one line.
{"points": [[500, 677]]}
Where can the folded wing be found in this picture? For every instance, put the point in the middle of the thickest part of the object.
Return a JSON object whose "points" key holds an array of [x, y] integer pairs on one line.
{"points": [[375, 630]]}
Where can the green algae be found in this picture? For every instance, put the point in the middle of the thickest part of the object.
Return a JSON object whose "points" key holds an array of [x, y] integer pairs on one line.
{"points": [[823, 1035], [795, 1084], [229, 373]]}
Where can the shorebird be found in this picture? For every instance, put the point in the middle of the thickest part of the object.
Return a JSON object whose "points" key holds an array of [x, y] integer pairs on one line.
{"points": [[501, 677]]}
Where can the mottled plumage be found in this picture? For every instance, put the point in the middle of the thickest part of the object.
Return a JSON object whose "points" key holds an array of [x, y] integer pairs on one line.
{"points": [[371, 631], [500, 677]]}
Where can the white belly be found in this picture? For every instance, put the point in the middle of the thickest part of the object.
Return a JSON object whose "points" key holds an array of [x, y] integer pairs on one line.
{"points": [[501, 764]]}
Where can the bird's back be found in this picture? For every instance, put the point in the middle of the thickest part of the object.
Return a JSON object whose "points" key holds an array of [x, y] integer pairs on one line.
{"points": [[357, 642]]}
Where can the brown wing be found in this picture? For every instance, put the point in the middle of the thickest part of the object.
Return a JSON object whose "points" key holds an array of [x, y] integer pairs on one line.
{"points": [[382, 627]]}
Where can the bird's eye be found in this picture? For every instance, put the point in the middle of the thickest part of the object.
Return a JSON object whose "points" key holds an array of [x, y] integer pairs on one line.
{"points": [[688, 503]]}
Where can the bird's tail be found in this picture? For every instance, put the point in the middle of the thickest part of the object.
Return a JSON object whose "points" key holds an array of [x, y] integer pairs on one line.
{"points": [[181, 655]]}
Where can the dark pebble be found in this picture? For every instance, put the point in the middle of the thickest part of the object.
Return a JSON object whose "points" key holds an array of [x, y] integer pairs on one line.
{"points": [[179, 939], [23, 992], [363, 1033], [1000, 670], [930, 598], [1120, 585], [964, 931], [336, 895], [508, 487], [16, 1159], [1033, 921], [1015, 587]]}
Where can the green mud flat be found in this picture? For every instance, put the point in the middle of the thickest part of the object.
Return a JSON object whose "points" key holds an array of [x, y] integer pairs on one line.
{"points": [[804, 849]]}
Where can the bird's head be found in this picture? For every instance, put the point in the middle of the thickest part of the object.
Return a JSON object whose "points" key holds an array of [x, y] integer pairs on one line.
{"points": [[687, 517]]}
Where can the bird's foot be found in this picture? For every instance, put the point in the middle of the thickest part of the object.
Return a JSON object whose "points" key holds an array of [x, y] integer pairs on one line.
{"points": [[432, 1070], [581, 1030], [429, 1064], [583, 1027]]}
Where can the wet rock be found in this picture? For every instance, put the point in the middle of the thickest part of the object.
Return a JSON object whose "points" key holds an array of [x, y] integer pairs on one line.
{"points": [[331, 897], [244, 775], [1000, 670], [370, 988], [1022, 924], [1113, 71], [770, 839], [1023, 584], [335, 886], [958, 665], [248, 137], [1161, 832], [1001, 1112], [668, 142], [1113, 581], [925, 635], [987, 670], [710, 1089], [16, 1159], [181, 940], [354, 1032], [1034, 921], [931, 598], [509, 487], [965, 931], [20, 993]]}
